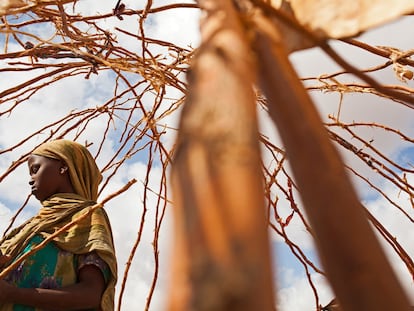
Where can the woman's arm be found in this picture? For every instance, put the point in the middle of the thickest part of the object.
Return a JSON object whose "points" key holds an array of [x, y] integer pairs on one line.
{"points": [[86, 294]]}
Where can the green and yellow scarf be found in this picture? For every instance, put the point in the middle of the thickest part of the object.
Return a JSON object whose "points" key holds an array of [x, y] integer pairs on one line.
{"points": [[92, 233]]}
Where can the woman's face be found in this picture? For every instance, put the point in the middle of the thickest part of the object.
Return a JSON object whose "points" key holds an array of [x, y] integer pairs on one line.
{"points": [[46, 176]]}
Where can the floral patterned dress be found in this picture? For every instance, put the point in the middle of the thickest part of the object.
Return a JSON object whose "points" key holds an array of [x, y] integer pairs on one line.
{"points": [[51, 268]]}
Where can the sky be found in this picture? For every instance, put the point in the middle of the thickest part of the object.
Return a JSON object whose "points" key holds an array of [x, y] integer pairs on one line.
{"points": [[126, 211]]}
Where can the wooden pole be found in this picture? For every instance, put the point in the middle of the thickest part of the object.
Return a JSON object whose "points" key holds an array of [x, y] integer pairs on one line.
{"points": [[355, 264], [221, 250]]}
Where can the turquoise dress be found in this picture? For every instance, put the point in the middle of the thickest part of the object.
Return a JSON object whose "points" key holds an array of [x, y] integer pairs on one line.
{"points": [[51, 268]]}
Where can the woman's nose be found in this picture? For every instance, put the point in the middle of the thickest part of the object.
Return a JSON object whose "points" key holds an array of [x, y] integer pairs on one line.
{"points": [[31, 182]]}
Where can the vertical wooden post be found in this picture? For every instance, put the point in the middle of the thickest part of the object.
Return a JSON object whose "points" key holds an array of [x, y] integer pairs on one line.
{"points": [[351, 255], [221, 250]]}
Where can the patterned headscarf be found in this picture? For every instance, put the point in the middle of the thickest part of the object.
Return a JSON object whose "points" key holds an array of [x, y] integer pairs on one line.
{"points": [[84, 174]]}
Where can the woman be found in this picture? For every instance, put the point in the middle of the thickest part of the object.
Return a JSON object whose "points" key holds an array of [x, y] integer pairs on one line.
{"points": [[77, 269]]}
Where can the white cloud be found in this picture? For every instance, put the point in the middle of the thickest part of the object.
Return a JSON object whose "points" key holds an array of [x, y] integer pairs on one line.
{"points": [[400, 227], [299, 295], [5, 215], [126, 212]]}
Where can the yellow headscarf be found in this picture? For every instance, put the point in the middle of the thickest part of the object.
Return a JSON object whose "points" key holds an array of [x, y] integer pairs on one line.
{"points": [[84, 173], [91, 234]]}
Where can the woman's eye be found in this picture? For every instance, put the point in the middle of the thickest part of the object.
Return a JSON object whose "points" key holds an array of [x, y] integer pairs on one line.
{"points": [[34, 169]]}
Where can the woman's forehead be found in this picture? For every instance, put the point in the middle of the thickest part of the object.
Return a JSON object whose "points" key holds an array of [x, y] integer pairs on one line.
{"points": [[34, 158]]}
